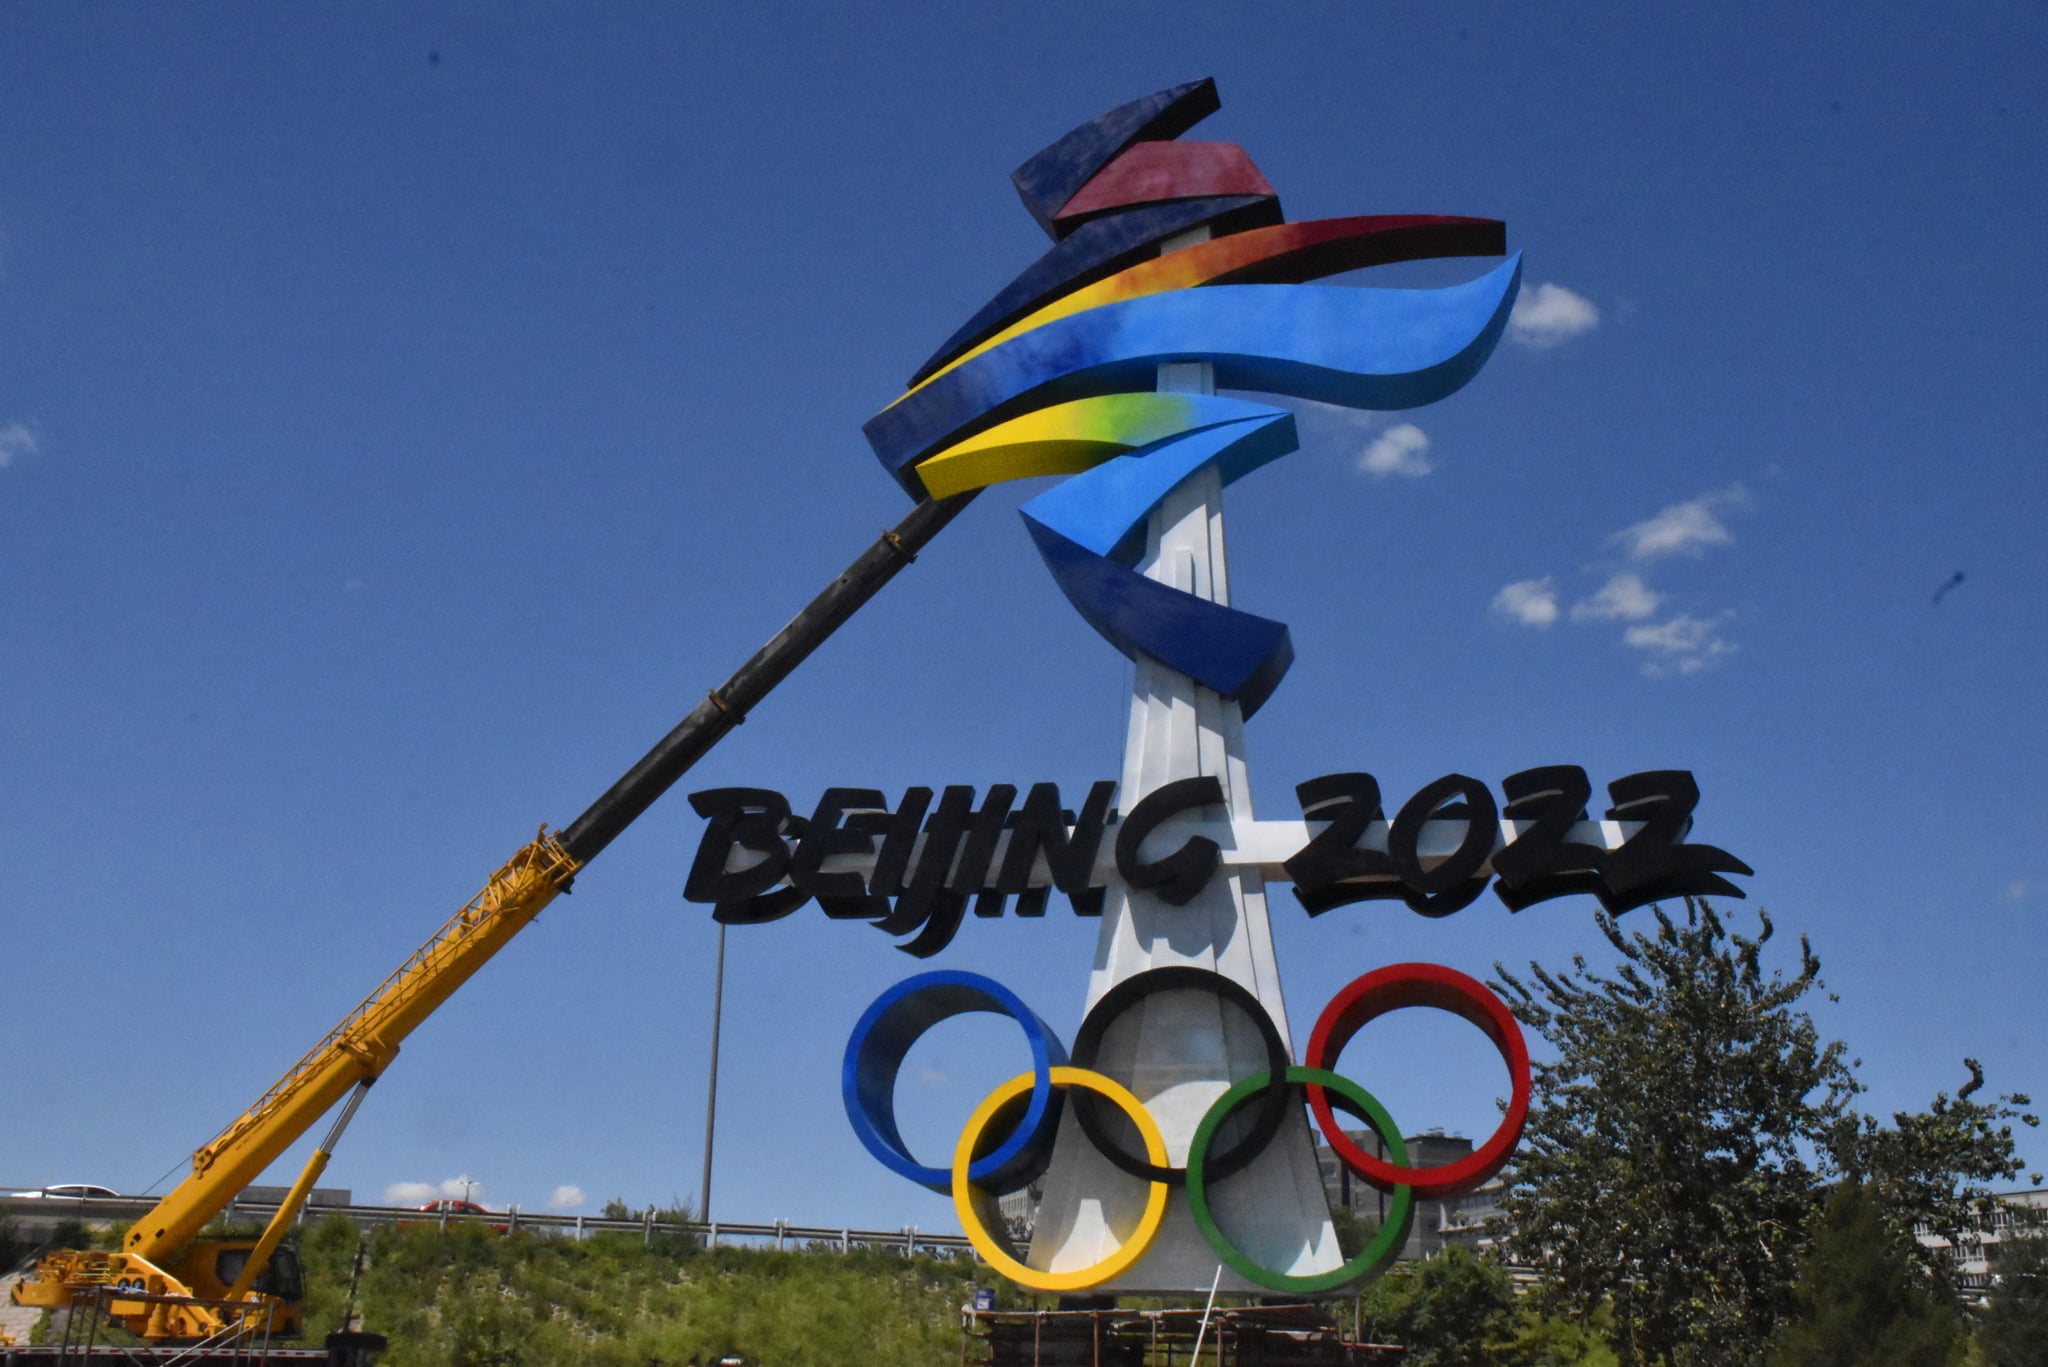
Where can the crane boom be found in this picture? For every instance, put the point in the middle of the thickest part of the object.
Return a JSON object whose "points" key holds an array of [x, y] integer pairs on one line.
{"points": [[357, 1051], [367, 1039]]}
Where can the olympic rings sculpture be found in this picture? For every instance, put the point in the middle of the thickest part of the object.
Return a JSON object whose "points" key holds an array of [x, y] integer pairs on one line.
{"points": [[1007, 1142]]}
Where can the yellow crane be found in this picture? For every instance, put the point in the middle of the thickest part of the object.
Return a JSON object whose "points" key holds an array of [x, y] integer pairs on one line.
{"points": [[181, 1286]]}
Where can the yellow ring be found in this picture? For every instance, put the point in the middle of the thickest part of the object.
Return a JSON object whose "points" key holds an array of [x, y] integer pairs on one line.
{"points": [[976, 1206]]}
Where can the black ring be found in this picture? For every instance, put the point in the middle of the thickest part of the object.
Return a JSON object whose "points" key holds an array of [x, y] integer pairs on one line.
{"points": [[1272, 1104]]}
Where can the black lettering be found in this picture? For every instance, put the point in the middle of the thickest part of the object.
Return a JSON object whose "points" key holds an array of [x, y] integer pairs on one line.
{"points": [[744, 818], [751, 819], [1540, 863], [970, 876], [1040, 827], [1179, 876], [1456, 882], [899, 840], [1319, 870], [1655, 863], [936, 898], [942, 834], [934, 913], [846, 821]]}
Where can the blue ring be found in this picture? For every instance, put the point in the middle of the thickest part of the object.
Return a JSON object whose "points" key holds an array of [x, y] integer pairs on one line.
{"points": [[883, 1039]]}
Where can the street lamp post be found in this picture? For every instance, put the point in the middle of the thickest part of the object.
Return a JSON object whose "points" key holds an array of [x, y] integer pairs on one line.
{"points": [[711, 1101]]}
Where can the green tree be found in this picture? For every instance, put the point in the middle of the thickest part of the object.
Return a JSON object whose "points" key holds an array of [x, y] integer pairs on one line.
{"points": [[1454, 1310], [667, 1220], [1663, 1169], [1863, 1299], [2013, 1331], [1550, 1341], [1935, 1166], [1682, 1141]]}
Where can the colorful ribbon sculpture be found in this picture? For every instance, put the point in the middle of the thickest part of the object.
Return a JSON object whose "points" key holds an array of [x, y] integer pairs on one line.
{"points": [[1168, 252], [1055, 374]]}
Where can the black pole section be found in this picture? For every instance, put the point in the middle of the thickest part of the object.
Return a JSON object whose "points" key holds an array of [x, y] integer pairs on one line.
{"points": [[728, 706]]}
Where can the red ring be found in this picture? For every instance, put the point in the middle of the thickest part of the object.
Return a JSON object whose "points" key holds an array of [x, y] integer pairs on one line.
{"points": [[1390, 989]]}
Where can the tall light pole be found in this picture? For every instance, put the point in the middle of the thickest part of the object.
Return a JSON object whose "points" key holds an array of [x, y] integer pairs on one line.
{"points": [[711, 1101]]}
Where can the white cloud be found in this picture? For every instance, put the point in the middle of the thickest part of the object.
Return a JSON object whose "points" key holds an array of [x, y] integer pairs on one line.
{"points": [[1684, 528], [1400, 450], [16, 440], [1683, 645], [1624, 598], [1549, 315], [1532, 602], [932, 1077], [2017, 889], [419, 1193], [566, 1197]]}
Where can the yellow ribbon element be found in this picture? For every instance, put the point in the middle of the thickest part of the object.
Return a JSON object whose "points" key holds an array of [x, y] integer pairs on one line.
{"points": [[1062, 440]]}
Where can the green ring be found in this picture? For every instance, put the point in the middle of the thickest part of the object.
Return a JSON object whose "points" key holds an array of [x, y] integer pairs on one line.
{"points": [[1374, 1258]]}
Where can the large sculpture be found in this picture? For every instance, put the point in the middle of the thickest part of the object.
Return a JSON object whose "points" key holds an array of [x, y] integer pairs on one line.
{"points": [[1057, 375], [1171, 1142]]}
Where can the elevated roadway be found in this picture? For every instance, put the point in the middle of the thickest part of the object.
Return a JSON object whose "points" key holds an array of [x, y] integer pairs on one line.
{"points": [[35, 1218]]}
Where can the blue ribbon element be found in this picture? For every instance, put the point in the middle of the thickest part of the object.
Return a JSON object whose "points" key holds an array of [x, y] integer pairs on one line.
{"points": [[1103, 509], [1090, 533], [1360, 348]]}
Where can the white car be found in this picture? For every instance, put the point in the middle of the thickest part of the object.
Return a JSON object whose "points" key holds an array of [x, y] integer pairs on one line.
{"points": [[71, 1191]]}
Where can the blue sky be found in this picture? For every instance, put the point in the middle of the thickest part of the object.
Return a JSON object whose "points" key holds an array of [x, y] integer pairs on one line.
{"points": [[407, 412]]}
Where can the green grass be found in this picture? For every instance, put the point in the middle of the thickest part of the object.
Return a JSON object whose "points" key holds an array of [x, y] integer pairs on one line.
{"points": [[467, 1297]]}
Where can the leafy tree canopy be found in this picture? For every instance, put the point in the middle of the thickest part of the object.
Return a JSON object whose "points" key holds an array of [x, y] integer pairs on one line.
{"points": [[1862, 1298], [1935, 1166], [1454, 1310], [2013, 1331], [1688, 1129]]}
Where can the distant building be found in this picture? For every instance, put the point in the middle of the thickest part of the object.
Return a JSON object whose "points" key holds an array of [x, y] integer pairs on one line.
{"points": [[1438, 1223], [1974, 1256], [1019, 1210]]}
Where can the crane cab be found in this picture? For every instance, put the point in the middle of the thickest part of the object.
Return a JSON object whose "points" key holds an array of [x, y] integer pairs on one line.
{"points": [[209, 1267]]}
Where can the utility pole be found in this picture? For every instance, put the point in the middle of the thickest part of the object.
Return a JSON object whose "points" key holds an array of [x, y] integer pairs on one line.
{"points": [[711, 1101]]}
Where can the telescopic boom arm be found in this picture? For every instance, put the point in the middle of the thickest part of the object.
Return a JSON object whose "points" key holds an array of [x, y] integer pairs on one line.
{"points": [[356, 1051]]}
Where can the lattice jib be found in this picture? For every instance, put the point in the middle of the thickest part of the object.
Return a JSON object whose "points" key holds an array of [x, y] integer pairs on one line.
{"points": [[542, 864]]}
